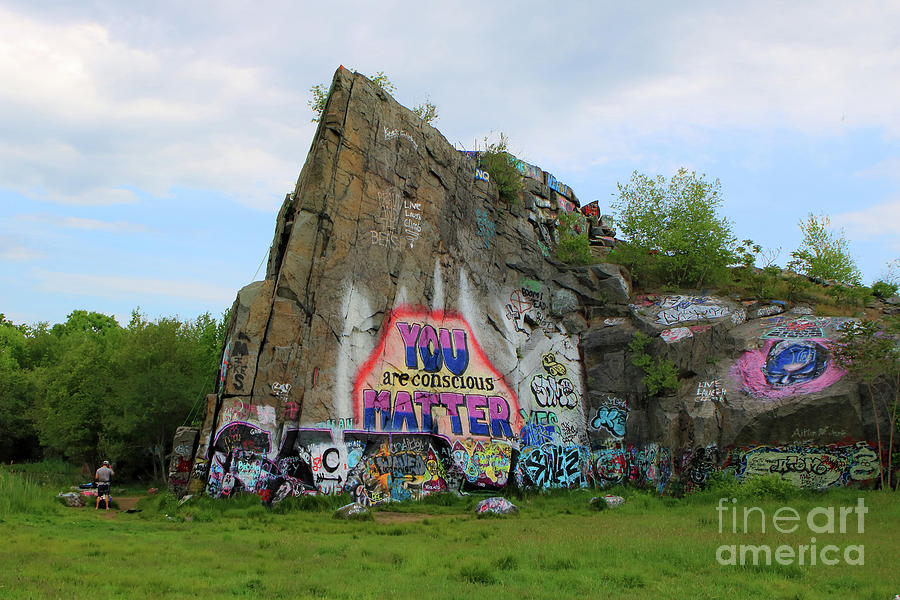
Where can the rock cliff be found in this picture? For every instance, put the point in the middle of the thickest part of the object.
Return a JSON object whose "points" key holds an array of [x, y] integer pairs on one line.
{"points": [[414, 334]]}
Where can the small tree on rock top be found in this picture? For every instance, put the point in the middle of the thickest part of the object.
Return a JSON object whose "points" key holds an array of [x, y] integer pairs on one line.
{"points": [[673, 233], [426, 111], [822, 254]]}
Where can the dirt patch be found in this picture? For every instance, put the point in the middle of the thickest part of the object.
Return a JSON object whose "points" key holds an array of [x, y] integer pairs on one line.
{"points": [[124, 503], [127, 502], [402, 517]]}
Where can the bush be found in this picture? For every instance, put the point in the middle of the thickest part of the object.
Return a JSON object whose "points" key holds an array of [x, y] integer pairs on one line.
{"points": [[573, 248], [672, 231], [844, 295], [883, 289], [501, 167], [659, 374], [768, 487]]}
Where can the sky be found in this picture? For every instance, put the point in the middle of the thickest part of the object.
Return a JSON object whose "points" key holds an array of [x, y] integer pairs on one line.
{"points": [[145, 148]]}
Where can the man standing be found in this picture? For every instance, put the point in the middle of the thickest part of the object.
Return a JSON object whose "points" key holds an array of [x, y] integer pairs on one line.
{"points": [[103, 476]]}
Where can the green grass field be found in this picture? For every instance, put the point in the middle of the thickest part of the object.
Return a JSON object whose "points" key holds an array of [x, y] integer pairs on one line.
{"points": [[557, 547]]}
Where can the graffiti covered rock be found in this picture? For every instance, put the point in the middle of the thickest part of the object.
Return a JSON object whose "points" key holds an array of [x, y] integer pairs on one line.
{"points": [[414, 335]]}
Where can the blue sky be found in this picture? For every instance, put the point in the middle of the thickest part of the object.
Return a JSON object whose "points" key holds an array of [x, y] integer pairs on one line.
{"points": [[145, 148]]}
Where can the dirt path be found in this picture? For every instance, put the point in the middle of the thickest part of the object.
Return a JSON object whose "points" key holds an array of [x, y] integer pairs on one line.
{"points": [[402, 517], [124, 503]]}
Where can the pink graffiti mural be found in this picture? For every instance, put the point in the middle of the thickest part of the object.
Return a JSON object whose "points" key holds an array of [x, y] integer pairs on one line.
{"points": [[428, 374], [785, 368]]}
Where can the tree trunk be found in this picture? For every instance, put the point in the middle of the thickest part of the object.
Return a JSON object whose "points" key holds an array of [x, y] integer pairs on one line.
{"points": [[892, 413], [878, 433], [161, 456]]}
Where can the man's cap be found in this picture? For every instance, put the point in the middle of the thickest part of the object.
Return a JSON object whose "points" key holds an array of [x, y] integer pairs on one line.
{"points": [[106, 462]]}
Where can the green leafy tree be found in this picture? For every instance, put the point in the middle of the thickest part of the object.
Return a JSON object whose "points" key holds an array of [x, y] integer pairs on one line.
{"points": [[18, 440], [91, 389], [426, 111], [162, 369], [673, 233], [870, 352], [72, 390], [824, 254], [319, 93]]}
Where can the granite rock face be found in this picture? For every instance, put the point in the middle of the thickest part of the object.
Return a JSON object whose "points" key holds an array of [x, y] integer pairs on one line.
{"points": [[413, 335]]}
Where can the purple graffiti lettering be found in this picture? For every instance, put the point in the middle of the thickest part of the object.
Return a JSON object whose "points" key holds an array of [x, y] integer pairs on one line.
{"points": [[452, 401], [431, 357], [409, 334], [426, 400], [403, 413], [373, 401], [458, 362]]}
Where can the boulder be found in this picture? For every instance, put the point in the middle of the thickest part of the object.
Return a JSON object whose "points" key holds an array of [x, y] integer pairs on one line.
{"points": [[352, 511], [496, 506], [72, 499], [607, 501]]}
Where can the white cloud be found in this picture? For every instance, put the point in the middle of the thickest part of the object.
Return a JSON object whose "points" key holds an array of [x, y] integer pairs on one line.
{"points": [[85, 113], [114, 286], [16, 251], [880, 219], [98, 225], [889, 168], [92, 197]]}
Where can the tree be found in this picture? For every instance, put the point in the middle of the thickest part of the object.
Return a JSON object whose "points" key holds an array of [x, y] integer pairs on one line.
{"points": [[822, 254], [673, 233], [18, 440], [72, 389], [88, 387], [163, 368], [426, 111], [320, 93], [870, 353]]}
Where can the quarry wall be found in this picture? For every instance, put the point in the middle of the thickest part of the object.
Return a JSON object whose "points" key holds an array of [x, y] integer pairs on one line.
{"points": [[415, 335]]}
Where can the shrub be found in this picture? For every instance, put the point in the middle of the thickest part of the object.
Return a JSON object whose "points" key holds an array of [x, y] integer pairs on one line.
{"points": [[573, 248], [501, 167], [672, 231], [659, 374], [845, 295], [796, 288], [883, 289], [426, 111], [768, 487]]}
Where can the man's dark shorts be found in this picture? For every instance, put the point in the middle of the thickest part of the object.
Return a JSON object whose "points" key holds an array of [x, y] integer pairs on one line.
{"points": [[103, 489]]}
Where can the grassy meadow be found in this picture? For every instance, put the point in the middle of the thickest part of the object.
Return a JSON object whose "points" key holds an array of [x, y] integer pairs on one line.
{"points": [[557, 547]]}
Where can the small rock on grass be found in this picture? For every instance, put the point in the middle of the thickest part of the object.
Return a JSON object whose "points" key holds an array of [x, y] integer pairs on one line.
{"points": [[496, 506], [607, 501], [72, 499], [354, 510]]}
